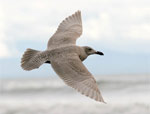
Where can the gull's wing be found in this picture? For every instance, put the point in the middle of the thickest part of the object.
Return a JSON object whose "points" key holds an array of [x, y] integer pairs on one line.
{"points": [[72, 71], [67, 32]]}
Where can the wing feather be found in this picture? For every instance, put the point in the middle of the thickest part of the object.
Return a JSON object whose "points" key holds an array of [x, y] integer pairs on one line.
{"points": [[67, 32], [76, 75]]}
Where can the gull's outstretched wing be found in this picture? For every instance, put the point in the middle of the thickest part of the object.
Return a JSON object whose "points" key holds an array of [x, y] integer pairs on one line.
{"points": [[67, 32], [70, 68]]}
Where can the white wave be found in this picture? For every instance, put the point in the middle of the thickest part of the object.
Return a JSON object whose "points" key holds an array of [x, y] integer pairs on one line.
{"points": [[24, 85], [123, 94], [69, 105], [107, 83]]}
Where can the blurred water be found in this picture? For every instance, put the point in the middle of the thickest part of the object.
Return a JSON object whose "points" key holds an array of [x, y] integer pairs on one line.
{"points": [[124, 94]]}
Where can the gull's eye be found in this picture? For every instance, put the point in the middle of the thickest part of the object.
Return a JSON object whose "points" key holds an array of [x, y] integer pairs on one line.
{"points": [[89, 49]]}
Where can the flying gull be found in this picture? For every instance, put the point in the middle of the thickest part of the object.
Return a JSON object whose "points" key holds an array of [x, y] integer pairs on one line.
{"points": [[66, 57]]}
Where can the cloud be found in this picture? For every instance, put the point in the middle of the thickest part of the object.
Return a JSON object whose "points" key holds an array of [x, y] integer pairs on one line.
{"points": [[120, 29], [99, 27], [4, 52], [118, 25]]}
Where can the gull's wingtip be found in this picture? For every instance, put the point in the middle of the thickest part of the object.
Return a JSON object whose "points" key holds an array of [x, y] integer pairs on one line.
{"points": [[78, 11], [104, 102]]}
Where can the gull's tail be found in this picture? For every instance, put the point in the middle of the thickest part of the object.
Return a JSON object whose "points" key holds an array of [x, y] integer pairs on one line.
{"points": [[31, 59]]}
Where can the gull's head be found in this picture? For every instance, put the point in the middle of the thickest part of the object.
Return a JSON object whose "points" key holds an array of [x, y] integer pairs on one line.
{"points": [[89, 51]]}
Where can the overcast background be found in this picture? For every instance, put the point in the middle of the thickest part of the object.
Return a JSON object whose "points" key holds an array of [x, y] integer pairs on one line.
{"points": [[118, 28]]}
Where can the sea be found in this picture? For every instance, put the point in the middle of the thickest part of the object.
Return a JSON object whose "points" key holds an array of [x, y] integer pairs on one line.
{"points": [[123, 94]]}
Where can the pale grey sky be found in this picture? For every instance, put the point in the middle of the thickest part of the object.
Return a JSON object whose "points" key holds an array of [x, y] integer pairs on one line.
{"points": [[114, 26]]}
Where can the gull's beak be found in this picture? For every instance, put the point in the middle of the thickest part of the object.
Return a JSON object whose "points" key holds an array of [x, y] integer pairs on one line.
{"points": [[99, 53]]}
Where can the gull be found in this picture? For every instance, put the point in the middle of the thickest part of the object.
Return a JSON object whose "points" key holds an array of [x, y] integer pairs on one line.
{"points": [[66, 57]]}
